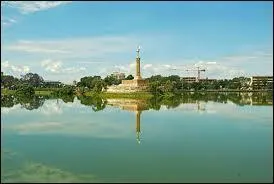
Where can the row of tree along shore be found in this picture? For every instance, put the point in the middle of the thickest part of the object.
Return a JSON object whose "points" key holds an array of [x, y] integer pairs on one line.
{"points": [[32, 83]]}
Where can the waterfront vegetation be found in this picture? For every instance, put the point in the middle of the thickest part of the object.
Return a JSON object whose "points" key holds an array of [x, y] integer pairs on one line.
{"points": [[167, 87]]}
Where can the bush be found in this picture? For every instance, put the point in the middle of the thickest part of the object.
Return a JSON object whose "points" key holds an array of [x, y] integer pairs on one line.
{"points": [[67, 90], [25, 90]]}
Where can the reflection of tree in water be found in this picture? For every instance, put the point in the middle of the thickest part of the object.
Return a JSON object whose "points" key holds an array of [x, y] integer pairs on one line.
{"points": [[193, 97], [67, 98], [171, 101], [235, 98], [27, 102], [30, 102], [7, 101], [262, 98], [155, 102], [174, 101], [96, 103]]}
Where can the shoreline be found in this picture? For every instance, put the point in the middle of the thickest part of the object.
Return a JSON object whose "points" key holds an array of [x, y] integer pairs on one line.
{"points": [[139, 94]]}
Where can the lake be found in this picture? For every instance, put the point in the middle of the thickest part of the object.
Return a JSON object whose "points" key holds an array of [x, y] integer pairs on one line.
{"points": [[191, 138]]}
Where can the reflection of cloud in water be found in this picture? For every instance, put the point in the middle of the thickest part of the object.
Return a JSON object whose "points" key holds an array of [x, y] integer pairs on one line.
{"points": [[72, 124], [7, 110], [36, 172], [82, 129], [51, 107], [39, 126], [235, 111], [228, 109]]}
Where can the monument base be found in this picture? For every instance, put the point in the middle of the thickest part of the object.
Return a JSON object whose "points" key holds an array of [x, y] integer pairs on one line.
{"points": [[129, 86], [135, 82]]}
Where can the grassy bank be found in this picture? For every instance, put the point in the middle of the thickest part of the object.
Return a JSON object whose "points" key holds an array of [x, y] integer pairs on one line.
{"points": [[136, 95], [230, 90], [7, 91], [11, 92], [43, 92]]}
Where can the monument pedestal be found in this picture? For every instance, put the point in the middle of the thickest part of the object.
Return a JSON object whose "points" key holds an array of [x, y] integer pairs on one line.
{"points": [[135, 82]]}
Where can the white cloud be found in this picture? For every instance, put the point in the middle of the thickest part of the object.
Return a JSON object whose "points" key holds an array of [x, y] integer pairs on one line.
{"points": [[146, 66], [90, 47], [148, 69], [120, 50], [5, 21], [217, 70], [34, 47], [128, 68], [52, 66], [167, 66], [90, 62], [211, 63], [57, 67], [14, 69], [73, 69], [26, 7]]}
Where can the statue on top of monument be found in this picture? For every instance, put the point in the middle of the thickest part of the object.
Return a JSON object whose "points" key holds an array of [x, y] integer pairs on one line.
{"points": [[138, 51]]}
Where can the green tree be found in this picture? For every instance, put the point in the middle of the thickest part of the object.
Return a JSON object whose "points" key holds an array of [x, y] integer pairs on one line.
{"points": [[112, 80], [66, 90], [129, 77], [32, 79], [168, 87], [25, 90], [99, 85], [155, 87], [269, 85], [10, 82]]}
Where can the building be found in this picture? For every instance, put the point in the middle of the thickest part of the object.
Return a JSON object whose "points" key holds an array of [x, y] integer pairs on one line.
{"points": [[194, 79], [189, 79], [208, 80], [118, 75], [136, 85], [52, 83], [259, 82]]}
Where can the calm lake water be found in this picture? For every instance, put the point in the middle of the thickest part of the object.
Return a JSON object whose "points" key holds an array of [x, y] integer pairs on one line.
{"points": [[205, 139]]}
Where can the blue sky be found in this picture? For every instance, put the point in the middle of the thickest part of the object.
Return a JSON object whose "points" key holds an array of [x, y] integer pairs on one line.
{"points": [[68, 40]]}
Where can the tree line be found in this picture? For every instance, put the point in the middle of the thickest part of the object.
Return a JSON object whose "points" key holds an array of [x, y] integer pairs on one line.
{"points": [[174, 84], [158, 84]]}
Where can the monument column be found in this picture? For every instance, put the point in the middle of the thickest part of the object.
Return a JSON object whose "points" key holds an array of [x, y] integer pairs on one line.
{"points": [[138, 71]]}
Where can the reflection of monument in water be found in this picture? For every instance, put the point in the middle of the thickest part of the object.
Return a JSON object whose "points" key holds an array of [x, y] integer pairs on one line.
{"points": [[135, 85], [132, 105]]}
